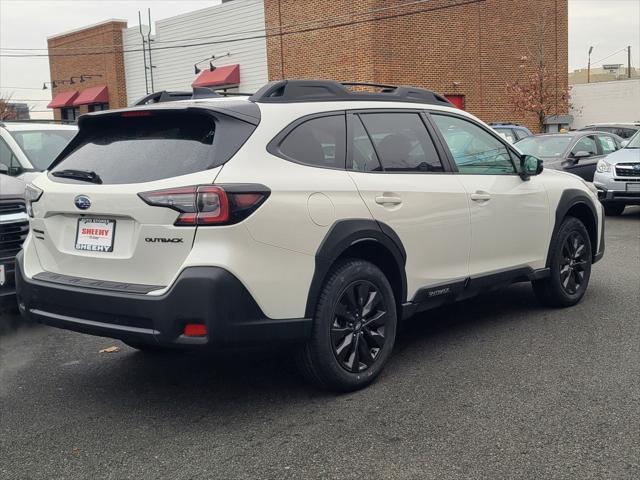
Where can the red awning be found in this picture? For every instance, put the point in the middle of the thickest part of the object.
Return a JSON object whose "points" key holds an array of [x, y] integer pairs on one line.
{"points": [[64, 99], [92, 95], [220, 77]]}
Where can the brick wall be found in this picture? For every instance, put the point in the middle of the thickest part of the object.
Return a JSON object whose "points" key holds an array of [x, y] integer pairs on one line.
{"points": [[105, 37], [473, 49]]}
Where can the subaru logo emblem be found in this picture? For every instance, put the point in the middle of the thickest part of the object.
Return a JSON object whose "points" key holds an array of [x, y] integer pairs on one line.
{"points": [[636, 167], [82, 202]]}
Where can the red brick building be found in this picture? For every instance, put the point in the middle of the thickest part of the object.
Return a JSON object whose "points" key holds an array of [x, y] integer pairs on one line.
{"points": [[82, 80], [466, 49]]}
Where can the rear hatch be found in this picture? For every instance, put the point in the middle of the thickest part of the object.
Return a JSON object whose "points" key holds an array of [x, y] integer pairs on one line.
{"points": [[91, 222]]}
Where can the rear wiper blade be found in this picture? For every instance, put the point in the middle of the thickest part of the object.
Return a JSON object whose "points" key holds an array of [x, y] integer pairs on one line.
{"points": [[82, 175]]}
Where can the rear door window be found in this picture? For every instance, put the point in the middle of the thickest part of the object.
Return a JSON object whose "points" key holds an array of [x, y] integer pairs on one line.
{"points": [[607, 144], [402, 142], [149, 147]]}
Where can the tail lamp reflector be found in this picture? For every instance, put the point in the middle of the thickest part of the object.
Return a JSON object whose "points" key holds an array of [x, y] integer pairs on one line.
{"points": [[195, 330], [205, 204]]}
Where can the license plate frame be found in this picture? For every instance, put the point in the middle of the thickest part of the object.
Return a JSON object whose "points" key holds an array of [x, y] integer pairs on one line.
{"points": [[98, 241], [633, 187]]}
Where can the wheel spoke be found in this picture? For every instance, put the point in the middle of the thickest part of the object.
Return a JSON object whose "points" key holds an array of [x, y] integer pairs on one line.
{"points": [[352, 299], [365, 352], [571, 284], [579, 250], [354, 357], [379, 318], [338, 334], [343, 312], [344, 348], [363, 294], [374, 338], [372, 302]]}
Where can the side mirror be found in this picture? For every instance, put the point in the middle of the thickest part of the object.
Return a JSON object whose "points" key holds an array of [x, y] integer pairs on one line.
{"points": [[4, 169], [580, 154], [530, 166]]}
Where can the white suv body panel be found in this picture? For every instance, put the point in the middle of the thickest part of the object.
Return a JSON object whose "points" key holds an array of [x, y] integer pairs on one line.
{"points": [[447, 235]]}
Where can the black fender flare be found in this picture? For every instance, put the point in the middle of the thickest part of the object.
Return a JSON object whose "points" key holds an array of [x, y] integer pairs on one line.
{"points": [[569, 199], [342, 235]]}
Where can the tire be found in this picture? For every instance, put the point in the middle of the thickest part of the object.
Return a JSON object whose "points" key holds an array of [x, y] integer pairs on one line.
{"points": [[570, 266], [354, 328], [613, 209]]}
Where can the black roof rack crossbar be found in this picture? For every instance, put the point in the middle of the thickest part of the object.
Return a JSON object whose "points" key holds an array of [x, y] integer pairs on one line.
{"points": [[287, 91]]}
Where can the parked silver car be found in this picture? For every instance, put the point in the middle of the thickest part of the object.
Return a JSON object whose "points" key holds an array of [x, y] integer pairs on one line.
{"points": [[617, 178]]}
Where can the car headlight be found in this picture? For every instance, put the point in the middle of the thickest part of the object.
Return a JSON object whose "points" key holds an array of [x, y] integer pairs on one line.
{"points": [[31, 194], [603, 167]]}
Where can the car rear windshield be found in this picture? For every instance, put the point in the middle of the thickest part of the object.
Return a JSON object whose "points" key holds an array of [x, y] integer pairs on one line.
{"points": [[544, 146], [136, 147], [42, 146]]}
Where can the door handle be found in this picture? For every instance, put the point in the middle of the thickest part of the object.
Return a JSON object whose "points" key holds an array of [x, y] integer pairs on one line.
{"points": [[384, 200], [480, 196]]}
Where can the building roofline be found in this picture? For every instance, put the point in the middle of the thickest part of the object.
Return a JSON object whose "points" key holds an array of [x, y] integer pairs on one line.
{"points": [[87, 27]]}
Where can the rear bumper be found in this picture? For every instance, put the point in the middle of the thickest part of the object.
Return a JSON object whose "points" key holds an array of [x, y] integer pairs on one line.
{"points": [[208, 295]]}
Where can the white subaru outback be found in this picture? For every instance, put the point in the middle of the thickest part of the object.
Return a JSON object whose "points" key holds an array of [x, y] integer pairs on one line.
{"points": [[308, 213]]}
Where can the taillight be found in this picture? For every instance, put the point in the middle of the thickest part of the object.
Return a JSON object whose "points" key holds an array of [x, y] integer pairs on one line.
{"points": [[209, 204]]}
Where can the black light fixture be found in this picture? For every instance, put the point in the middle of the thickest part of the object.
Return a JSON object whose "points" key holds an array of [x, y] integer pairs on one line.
{"points": [[211, 59], [53, 83], [86, 76]]}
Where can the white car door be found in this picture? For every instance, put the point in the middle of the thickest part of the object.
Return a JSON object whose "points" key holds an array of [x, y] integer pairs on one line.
{"points": [[404, 183], [510, 220]]}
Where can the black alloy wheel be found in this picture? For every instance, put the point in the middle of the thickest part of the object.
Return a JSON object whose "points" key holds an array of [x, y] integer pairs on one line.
{"points": [[573, 262], [570, 261], [358, 328]]}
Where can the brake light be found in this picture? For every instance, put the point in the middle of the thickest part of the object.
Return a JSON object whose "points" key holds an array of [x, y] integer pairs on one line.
{"points": [[209, 204]]}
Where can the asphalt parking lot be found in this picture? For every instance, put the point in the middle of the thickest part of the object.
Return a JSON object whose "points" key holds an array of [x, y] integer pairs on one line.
{"points": [[496, 387]]}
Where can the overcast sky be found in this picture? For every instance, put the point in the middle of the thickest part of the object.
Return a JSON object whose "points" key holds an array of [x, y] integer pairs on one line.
{"points": [[607, 25]]}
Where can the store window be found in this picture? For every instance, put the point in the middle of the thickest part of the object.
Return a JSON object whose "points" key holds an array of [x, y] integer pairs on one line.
{"points": [[98, 107], [70, 114]]}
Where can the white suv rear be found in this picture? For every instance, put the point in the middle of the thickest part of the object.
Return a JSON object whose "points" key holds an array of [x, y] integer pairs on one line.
{"points": [[307, 213]]}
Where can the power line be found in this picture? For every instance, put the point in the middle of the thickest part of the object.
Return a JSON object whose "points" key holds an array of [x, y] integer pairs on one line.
{"points": [[278, 27], [397, 15]]}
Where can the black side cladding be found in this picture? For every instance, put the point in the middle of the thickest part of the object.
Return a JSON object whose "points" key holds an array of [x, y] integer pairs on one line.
{"points": [[577, 198], [342, 235]]}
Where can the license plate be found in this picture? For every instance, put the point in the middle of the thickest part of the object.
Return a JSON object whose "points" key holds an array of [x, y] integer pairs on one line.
{"points": [[95, 234], [2, 275], [633, 187]]}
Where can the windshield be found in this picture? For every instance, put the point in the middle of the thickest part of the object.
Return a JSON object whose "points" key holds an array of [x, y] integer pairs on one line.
{"points": [[42, 146], [634, 142], [544, 146]]}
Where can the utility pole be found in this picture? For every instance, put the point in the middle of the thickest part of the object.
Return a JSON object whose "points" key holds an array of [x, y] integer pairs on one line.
{"points": [[629, 61], [150, 60], [589, 66], [144, 54]]}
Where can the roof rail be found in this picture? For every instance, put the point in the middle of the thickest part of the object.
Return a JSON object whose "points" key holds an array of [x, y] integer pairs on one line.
{"points": [[287, 91]]}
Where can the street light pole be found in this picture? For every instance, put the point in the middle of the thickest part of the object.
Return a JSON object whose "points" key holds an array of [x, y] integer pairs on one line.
{"points": [[589, 66]]}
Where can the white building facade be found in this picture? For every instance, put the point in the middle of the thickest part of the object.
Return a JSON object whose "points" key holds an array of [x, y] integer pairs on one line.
{"points": [[605, 102], [232, 31]]}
